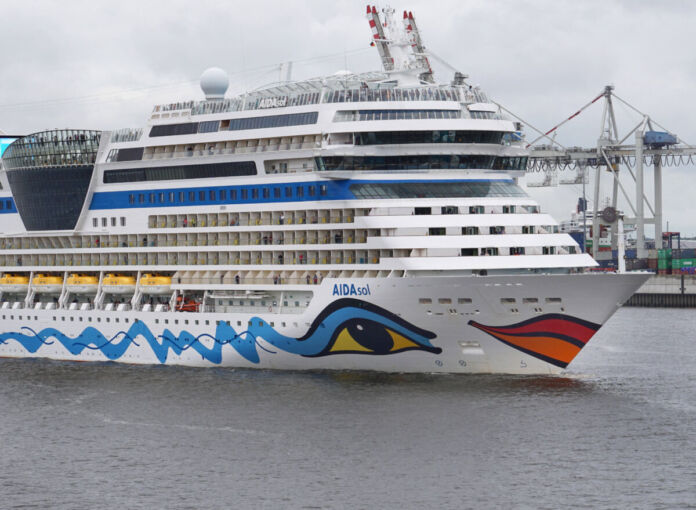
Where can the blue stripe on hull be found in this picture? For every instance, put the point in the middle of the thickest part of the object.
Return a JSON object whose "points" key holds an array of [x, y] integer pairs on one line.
{"points": [[335, 190]]}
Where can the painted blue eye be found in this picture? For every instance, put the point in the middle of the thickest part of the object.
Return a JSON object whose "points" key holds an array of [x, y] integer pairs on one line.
{"points": [[370, 334]]}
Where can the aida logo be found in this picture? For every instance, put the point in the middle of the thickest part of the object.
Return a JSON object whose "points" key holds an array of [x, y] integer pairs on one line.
{"points": [[346, 289], [273, 102]]}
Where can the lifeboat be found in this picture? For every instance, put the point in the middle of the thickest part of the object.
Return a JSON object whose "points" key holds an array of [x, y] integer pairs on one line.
{"points": [[82, 284], [118, 284], [186, 305], [14, 283], [155, 284], [47, 283]]}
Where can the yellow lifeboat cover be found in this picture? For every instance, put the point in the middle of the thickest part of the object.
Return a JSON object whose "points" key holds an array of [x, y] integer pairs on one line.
{"points": [[82, 279], [14, 279], [42, 279], [117, 279], [152, 279]]}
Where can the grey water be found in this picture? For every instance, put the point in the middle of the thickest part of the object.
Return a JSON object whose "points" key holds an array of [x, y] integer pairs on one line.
{"points": [[617, 431]]}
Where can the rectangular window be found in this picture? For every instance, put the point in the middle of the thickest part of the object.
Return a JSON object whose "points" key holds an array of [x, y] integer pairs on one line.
{"points": [[123, 221], [141, 198], [254, 193], [266, 193], [192, 196], [103, 222], [323, 190], [167, 173], [222, 194], [276, 192], [161, 197], [312, 191], [171, 197], [444, 301], [436, 231], [131, 199], [300, 192], [245, 194], [113, 221], [288, 192], [233, 194], [201, 196], [294, 119], [152, 198], [95, 222], [464, 301], [211, 195], [425, 301], [181, 196]]}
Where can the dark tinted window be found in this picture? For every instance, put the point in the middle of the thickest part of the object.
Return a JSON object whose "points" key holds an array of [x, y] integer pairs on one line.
{"points": [[271, 121], [130, 154], [437, 190], [208, 126], [174, 129], [436, 161], [166, 173], [405, 137]]}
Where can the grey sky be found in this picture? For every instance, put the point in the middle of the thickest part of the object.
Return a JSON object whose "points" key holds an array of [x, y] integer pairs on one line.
{"points": [[103, 65]]}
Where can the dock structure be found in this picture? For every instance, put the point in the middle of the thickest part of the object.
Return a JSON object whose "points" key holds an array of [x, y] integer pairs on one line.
{"points": [[666, 291], [622, 157]]}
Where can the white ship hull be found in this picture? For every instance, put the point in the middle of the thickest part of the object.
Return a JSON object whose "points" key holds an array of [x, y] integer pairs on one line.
{"points": [[550, 320]]}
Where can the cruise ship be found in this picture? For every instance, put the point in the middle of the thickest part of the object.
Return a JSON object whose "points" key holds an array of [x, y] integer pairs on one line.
{"points": [[353, 222]]}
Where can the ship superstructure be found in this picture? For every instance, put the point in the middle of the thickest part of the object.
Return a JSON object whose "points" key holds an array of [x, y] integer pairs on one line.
{"points": [[369, 221]]}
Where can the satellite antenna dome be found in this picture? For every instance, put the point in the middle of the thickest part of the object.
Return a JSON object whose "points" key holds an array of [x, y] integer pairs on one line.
{"points": [[214, 83]]}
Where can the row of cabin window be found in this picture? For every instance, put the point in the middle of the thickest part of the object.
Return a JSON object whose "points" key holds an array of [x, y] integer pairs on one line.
{"points": [[476, 209], [476, 252], [468, 301], [474, 231], [105, 222], [5, 204], [221, 195], [260, 122]]}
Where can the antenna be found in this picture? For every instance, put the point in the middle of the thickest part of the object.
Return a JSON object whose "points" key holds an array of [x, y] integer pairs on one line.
{"points": [[379, 39], [417, 47]]}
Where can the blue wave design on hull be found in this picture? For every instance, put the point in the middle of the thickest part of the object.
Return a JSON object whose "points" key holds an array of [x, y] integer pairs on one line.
{"points": [[316, 342]]}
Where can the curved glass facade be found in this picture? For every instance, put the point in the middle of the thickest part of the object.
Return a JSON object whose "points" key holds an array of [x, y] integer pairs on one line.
{"points": [[49, 174]]}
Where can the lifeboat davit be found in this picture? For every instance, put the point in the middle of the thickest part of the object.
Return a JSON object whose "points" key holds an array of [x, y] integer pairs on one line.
{"points": [[46, 283], [14, 283], [118, 284], [155, 284], [82, 284]]}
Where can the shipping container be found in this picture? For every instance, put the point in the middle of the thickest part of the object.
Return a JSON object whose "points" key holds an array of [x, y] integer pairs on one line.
{"points": [[662, 264], [665, 253], [652, 263]]}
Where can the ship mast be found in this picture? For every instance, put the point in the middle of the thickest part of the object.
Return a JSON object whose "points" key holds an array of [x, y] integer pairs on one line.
{"points": [[400, 47]]}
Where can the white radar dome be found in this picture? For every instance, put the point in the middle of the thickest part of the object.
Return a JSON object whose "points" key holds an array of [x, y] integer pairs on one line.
{"points": [[214, 83]]}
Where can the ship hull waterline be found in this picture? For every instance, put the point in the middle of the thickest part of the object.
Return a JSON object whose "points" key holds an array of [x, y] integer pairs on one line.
{"points": [[425, 324]]}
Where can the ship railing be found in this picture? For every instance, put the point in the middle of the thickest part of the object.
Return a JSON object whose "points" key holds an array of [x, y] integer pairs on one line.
{"points": [[126, 135]]}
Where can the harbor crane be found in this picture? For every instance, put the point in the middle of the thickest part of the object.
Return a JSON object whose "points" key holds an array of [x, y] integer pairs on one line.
{"points": [[625, 157]]}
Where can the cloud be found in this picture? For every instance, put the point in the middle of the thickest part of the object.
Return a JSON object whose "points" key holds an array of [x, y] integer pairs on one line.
{"points": [[542, 59]]}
